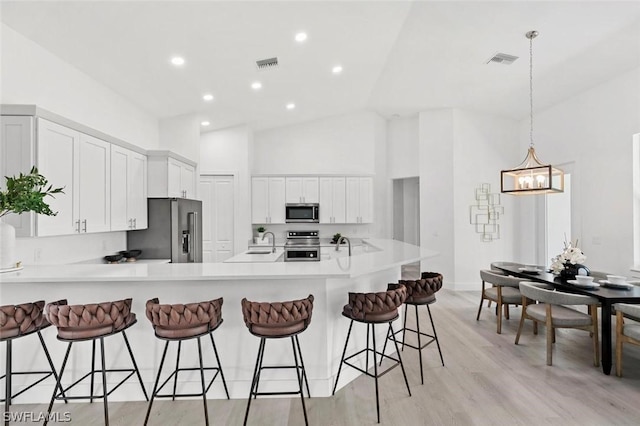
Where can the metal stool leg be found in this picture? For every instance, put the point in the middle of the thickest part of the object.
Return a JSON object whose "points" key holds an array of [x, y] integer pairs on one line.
{"points": [[53, 368], [404, 326], [215, 351], [419, 344], [404, 374], [299, 374], [344, 352], [58, 384], [375, 366], [435, 335], [255, 395], [367, 352], [253, 382], [155, 386], [7, 384], [204, 390], [93, 367], [135, 366], [175, 378], [304, 371], [104, 383]]}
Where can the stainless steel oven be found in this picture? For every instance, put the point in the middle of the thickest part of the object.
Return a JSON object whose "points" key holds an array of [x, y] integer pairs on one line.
{"points": [[302, 213], [302, 246]]}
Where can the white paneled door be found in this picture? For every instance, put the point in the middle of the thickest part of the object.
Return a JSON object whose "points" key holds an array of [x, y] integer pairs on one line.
{"points": [[217, 217]]}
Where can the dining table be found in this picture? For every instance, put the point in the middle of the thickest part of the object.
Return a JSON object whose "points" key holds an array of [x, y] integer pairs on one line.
{"points": [[607, 296]]}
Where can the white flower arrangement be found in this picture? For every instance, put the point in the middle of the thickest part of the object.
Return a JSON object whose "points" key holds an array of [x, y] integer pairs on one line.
{"points": [[571, 254]]}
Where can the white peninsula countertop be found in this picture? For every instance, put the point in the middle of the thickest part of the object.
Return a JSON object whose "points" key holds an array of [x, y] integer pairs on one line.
{"points": [[389, 253]]}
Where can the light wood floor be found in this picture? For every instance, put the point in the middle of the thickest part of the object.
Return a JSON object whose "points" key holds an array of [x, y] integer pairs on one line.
{"points": [[487, 380]]}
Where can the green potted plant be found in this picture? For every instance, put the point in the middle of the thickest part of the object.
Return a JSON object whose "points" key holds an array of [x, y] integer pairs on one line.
{"points": [[336, 237], [24, 193], [261, 230]]}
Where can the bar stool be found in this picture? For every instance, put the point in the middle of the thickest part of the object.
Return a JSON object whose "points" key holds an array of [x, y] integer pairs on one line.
{"points": [[420, 292], [278, 320], [18, 321], [183, 322], [372, 309], [78, 323]]}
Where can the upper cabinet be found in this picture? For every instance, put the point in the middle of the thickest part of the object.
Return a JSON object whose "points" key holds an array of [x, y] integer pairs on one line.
{"points": [[104, 184], [302, 190], [332, 200], [267, 200], [128, 189], [359, 200], [171, 176]]}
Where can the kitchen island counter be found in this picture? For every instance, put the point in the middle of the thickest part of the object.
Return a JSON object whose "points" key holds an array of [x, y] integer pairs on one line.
{"points": [[329, 281]]}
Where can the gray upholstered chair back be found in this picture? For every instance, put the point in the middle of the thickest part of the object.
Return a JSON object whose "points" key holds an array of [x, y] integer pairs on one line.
{"points": [[630, 310], [494, 266], [502, 280], [546, 294]]}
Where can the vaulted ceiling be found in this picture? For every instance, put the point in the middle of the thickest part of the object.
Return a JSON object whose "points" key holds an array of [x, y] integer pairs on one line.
{"points": [[398, 57]]}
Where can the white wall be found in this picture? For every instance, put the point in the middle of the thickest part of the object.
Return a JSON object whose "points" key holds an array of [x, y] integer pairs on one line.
{"points": [[30, 74], [227, 152], [459, 150], [402, 146], [181, 135], [595, 130]]}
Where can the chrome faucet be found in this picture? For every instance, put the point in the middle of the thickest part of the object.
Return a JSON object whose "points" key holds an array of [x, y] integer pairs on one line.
{"points": [[273, 240], [340, 242]]}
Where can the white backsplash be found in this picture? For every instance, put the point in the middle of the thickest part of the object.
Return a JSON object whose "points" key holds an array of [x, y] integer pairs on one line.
{"points": [[69, 248]]}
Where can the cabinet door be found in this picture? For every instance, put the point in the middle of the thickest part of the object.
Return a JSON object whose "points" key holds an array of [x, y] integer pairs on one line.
{"points": [[94, 184], [293, 190], [339, 198], [120, 183], [259, 200], [57, 159], [137, 190], [352, 200], [310, 190], [326, 200], [366, 200], [276, 200], [187, 181], [174, 176], [17, 155]]}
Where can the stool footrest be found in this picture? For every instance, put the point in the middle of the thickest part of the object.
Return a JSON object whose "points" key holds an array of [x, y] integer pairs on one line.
{"points": [[47, 374], [363, 371], [61, 395], [432, 337], [184, 395]]}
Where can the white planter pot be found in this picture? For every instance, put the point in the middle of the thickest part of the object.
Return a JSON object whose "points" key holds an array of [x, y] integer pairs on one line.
{"points": [[7, 246]]}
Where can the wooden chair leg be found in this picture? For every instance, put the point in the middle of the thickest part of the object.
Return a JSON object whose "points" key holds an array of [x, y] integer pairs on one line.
{"points": [[549, 335], [522, 317], [596, 345], [481, 300], [499, 306], [506, 311], [619, 325]]}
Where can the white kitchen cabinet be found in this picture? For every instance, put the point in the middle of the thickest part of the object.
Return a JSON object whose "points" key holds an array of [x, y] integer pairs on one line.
{"points": [[128, 189], [67, 158], [170, 176], [359, 200], [268, 200], [302, 190], [332, 200]]}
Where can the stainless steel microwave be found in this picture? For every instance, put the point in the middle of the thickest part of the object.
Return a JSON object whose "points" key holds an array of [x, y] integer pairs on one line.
{"points": [[302, 213]]}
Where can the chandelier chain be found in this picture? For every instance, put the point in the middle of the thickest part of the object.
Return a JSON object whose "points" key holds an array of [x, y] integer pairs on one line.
{"points": [[531, 92]]}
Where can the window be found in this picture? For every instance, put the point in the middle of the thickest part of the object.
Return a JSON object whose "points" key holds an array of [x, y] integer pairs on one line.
{"points": [[636, 201]]}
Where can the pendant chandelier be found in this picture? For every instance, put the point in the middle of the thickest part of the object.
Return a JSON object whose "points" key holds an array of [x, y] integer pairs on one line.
{"points": [[531, 176]]}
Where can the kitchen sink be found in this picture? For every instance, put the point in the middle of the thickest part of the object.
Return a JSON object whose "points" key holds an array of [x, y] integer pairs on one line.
{"points": [[258, 251]]}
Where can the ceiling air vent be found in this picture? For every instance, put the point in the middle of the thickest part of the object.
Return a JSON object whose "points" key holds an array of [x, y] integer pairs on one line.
{"points": [[267, 64], [502, 58]]}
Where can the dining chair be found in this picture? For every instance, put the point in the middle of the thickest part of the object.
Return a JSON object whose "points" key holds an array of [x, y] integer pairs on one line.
{"points": [[505, 292], [626, 332], [552, 312]]}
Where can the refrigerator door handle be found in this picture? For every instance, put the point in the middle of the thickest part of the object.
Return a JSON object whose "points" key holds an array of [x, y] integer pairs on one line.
{"points": [[193, 231]]}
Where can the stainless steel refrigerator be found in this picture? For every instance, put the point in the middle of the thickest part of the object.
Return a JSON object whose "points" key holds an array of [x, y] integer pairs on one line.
{"points": [[174, 231]]}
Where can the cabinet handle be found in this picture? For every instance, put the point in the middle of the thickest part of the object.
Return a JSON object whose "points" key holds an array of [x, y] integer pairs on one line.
{"points": [[135, 225], [84, 225], [78, 226], [130, 225]]}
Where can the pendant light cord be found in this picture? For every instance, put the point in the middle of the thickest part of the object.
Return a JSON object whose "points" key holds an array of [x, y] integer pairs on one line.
{"points": [[531, 91]]}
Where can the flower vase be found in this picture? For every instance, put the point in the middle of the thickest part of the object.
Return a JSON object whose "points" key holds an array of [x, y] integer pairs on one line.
{"points": [[7, 246]]}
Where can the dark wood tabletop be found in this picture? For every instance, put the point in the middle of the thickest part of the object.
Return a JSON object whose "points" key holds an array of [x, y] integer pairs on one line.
{"points": [[607, 296]]}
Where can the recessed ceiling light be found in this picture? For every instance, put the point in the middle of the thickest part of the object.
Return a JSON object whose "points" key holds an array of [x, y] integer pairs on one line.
{"points": [[256, 85], [205, 123], [177, 61], [207, 97], [291, 105], [336, 69], [301, 37]]}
